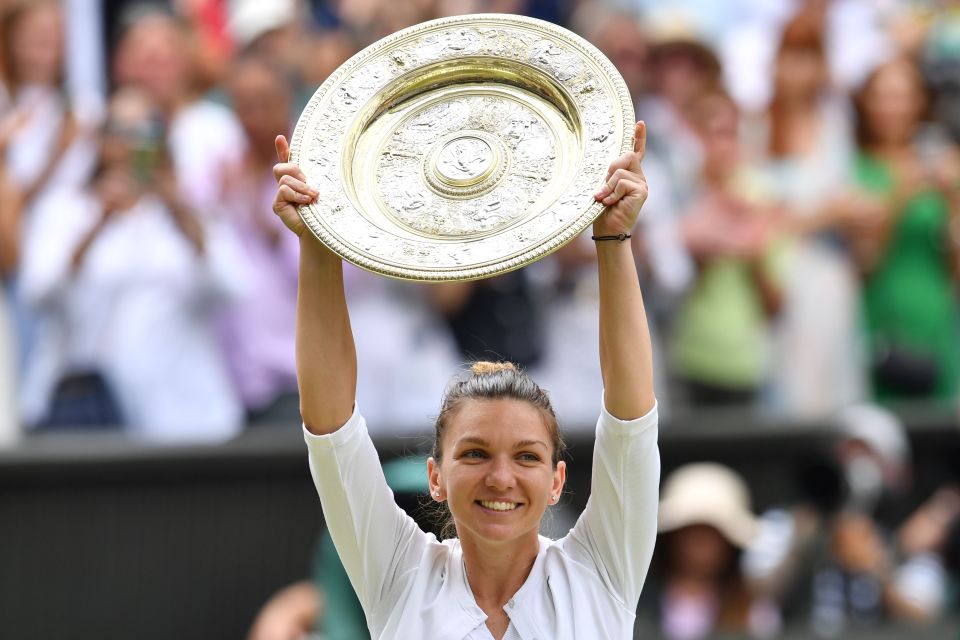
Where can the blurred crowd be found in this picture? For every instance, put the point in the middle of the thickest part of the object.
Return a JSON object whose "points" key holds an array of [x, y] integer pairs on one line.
{"points": [[799, 252]]}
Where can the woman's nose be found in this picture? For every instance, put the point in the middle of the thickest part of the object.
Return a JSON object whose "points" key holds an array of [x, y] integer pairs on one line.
{"points": [[500, 476]]}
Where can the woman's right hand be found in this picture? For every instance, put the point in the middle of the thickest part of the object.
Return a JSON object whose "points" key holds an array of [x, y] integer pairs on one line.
{"points": [[293, 190]]}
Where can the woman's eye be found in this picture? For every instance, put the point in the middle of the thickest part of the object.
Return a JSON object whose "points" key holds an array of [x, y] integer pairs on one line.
{"points": [[473, 454], [529, 457]]}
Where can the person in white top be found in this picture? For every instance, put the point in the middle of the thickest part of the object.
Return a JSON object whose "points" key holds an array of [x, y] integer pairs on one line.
{"points": [[496, 463], [126, 281]]}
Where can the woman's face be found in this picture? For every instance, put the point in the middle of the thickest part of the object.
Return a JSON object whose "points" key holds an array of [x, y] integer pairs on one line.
{"points": [[154, 55], [700, 550], [799, 73], [893, 103], [719, 133], [496, 473], [261, 102], [36, 46]]}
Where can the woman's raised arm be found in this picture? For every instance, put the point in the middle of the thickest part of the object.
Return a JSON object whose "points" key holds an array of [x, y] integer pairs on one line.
{"points": [[625, 352], [326, 356]]}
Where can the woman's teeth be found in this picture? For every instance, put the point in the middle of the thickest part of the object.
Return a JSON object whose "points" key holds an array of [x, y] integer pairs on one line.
{"points": [[499, 506]]}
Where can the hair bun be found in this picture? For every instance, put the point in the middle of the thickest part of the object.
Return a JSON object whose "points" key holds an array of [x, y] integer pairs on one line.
{"points": [[482, 367]]}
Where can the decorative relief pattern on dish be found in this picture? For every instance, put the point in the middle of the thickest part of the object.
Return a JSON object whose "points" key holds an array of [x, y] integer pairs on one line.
{"points": [[491, 230], [518, 136]]}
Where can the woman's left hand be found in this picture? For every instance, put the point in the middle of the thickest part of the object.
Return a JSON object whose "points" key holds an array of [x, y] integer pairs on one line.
{"points": [[625, 189]]}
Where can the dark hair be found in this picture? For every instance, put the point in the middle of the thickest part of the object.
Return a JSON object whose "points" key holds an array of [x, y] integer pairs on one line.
{"points": [[494, 381], [865, 135]]}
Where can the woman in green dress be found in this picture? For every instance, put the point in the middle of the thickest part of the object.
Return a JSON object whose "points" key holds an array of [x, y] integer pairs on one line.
{"points": [[907, 249]]}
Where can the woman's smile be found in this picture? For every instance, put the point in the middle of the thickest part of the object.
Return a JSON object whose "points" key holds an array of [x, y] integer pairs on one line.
{"points": [[498, 506]]}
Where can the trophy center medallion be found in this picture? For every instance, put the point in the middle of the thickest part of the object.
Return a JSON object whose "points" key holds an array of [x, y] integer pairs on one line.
{"points": [[466, 164], [464, 161]]}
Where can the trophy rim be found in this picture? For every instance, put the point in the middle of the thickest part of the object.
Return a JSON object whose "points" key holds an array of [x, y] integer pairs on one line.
{"points": [[314, 219]]}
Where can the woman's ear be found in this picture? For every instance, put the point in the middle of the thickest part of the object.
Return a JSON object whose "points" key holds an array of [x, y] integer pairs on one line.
{"points": [[559, 480], [433, 479]]}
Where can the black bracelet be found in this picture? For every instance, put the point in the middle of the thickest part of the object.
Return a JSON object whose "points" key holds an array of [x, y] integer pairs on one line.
{"points": [[620, 236]]}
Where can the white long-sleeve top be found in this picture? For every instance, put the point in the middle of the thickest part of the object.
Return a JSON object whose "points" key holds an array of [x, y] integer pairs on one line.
{"points": [[139, 310], [585, 585]]}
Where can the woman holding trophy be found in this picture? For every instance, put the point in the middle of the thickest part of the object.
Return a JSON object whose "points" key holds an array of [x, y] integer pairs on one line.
{"points": [[496, 462]]}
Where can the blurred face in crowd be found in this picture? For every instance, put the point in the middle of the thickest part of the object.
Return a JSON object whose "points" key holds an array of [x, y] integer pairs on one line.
{"points": [[892, 103], [326, 51], [801, 72], [154, 55], [261, 100], [36, 44], [682, 72], [700, 551], [718, 125], [496, 470], [621, 40]]}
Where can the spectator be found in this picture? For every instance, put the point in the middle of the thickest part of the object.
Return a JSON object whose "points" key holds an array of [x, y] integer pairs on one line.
{"points": [[925, 540], [805, 144], [907, 252], [619, 35], [832, 562], [496, 319], [858, 580], [126, 286], [705, 522], [45, 134], [155, 53], [683, 67], [257, 331], [722, 331]]}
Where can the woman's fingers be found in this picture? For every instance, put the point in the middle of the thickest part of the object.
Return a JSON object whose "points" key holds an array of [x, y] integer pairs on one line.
{"points": [[299, 186], [292, 190], [618, 185], [288, 169], [622, 189], [623, 162], [284, 167], [640, 141], [629, 161], [286, 194], [283, 149]]}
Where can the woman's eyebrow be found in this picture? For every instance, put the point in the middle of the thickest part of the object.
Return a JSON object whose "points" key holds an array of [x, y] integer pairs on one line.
{"points": [[530, 443]]}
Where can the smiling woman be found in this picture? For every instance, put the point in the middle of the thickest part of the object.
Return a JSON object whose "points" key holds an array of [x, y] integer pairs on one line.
{"points": [[478, 448], [496, 463]]}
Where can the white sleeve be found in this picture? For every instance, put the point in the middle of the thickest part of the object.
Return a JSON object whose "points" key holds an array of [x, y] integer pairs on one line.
{"points": [[377, 541], [60, 222], [222, 274], [617, 529]]}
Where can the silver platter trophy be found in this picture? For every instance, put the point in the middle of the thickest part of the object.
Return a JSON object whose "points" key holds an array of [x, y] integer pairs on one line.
{"points": [[461, 148]]}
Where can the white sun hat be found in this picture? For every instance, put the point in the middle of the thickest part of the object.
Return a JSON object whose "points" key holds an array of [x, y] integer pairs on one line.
{"points": [[710, 494]]}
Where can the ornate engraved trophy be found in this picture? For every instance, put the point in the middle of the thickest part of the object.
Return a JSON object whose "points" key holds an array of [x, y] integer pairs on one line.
{"points": [[461, 148]]}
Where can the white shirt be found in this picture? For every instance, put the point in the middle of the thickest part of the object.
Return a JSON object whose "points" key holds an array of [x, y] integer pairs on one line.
{"points": [[585, 585], [139, 310], [204, 139]]}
